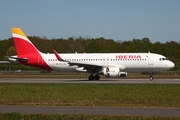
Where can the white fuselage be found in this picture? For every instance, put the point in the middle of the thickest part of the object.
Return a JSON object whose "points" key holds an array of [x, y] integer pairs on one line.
{"points": [[124, 61]]}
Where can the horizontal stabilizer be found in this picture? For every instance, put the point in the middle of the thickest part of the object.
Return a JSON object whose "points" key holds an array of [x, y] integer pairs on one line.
{"points": [[15, 58]]}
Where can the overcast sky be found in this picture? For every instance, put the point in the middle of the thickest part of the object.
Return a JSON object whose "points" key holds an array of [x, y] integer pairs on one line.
{"points": [[158, 20]]}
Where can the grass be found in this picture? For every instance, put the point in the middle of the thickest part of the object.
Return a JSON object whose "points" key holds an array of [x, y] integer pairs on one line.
{"points": [[91, 95], [18, 116]]}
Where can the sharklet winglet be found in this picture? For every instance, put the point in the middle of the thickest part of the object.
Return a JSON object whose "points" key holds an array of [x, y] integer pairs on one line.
{"points": [[57, 56]]}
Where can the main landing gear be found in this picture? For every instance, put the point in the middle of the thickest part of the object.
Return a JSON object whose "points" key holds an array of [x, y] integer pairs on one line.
{"points": [[96, 77]]}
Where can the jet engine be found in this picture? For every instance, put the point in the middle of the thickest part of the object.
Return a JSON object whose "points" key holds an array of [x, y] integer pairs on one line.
{"points": [[113, 72]]}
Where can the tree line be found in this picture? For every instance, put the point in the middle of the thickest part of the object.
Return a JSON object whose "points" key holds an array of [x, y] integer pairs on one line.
{"points": [[96, 45]]}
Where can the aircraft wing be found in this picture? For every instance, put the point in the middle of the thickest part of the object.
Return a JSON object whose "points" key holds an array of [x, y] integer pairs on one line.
{"points": [[91, 68]]}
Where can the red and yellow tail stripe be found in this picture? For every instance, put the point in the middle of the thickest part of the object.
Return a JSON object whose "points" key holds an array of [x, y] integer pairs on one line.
{"points": [[18, 33]]}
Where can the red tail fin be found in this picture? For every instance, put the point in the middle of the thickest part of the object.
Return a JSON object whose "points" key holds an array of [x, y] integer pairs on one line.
{"points": [[27, 53], [23, 45]]}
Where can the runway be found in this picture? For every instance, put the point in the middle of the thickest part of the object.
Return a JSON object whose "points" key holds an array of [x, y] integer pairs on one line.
{"points": [[84, 81], [91, 110]]}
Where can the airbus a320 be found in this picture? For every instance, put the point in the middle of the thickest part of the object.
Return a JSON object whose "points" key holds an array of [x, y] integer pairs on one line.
{"points": [[108, 64]]}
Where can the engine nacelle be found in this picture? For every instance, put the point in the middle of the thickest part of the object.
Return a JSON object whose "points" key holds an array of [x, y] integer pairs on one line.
{"points": [[81, 69], [113, 72]]}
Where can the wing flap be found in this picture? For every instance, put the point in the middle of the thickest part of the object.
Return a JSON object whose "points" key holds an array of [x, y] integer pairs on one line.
{"points": [[91, 68]]}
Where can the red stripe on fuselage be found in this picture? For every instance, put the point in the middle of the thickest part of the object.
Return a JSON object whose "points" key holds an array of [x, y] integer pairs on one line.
{"points": [[27, 50]]}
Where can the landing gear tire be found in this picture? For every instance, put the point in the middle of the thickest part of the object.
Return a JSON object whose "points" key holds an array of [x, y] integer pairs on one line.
{"points": [[97, 77], [91, 77], [151, 78]]}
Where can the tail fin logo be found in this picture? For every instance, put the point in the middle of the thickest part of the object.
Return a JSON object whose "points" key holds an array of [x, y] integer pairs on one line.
{"points": [[22, 43]]}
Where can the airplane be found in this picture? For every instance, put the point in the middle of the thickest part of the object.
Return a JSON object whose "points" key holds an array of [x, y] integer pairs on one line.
{"points": [[108, 64]]}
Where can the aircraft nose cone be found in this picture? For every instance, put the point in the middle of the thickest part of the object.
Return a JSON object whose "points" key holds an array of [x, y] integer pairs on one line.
{"points": [[171, 64]]}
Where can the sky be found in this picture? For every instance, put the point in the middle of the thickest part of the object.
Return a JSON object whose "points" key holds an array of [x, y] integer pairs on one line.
{"points": [[158, 20]]}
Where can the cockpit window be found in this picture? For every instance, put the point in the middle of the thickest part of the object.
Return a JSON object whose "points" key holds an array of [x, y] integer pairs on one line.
{"points": [[162, 59]]}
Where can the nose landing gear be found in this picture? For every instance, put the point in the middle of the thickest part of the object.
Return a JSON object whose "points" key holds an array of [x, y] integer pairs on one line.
{"points": [[151, 78]]}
